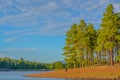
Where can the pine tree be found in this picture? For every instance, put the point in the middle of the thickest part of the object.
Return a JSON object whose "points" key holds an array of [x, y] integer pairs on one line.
{"points": [[86, 46], [90, 42], [108, 31], [69, 48], [80, 42]]}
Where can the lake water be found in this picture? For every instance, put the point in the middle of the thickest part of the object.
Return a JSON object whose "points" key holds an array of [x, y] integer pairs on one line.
{"points": [[18, 75]]}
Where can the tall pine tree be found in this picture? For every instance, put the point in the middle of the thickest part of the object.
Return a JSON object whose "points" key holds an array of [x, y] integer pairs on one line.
{"points": [[108, 31]]}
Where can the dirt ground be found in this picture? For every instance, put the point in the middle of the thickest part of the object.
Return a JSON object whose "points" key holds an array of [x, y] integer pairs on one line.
{"points": [[100, 72]]}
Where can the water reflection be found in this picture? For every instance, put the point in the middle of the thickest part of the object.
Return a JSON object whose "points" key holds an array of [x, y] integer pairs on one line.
{"points": [[18, 75]]}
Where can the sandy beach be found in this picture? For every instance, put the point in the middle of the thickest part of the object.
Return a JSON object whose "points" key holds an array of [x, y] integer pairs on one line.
{"points": [[99, 72]]}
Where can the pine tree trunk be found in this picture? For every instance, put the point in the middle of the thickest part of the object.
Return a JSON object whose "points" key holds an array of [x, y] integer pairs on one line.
{"points": [[111, 58], [116, 50], [97, 58], [82, 60], [105, 56], [80, 65], [92, 59], [100, 58], [87, 59], [74, 65]]}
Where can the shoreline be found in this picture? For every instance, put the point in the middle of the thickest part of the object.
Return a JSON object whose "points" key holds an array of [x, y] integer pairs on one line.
{"points": [[100, 72]]}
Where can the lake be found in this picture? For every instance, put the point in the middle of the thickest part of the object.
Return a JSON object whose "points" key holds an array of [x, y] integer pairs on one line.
{"points": [[18, 75]]}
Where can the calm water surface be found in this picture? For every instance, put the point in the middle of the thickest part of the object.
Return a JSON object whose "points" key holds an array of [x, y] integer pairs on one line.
{"points": [[18, 75]]}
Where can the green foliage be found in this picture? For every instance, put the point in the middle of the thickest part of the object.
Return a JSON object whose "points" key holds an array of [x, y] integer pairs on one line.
{"points": [[109, 31], [58, 65], [9, 63], [86, 46], [80, 38]]}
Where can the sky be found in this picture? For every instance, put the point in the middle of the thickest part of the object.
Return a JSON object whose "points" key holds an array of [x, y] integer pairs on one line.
{"points": [[35, 29]]}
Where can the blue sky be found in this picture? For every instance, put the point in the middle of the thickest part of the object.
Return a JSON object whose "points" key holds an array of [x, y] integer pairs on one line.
{"points": [[35, 29]]}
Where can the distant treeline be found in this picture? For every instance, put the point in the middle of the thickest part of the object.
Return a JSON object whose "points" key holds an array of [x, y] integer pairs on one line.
{"points": [[8, 63]]}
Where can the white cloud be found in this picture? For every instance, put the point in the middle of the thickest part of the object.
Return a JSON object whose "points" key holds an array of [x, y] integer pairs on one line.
{"points": [[15, 50], [52, 4], [46, 17], [23, 31], [87, 5], [12, 39], [117, 7]]}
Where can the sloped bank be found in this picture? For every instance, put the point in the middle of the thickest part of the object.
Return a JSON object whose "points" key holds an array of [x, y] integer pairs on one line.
{"points": [[99, 72]]}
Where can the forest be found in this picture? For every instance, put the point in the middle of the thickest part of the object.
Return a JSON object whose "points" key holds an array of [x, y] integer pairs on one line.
{"points": [[21, 64], [86, 46]]}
